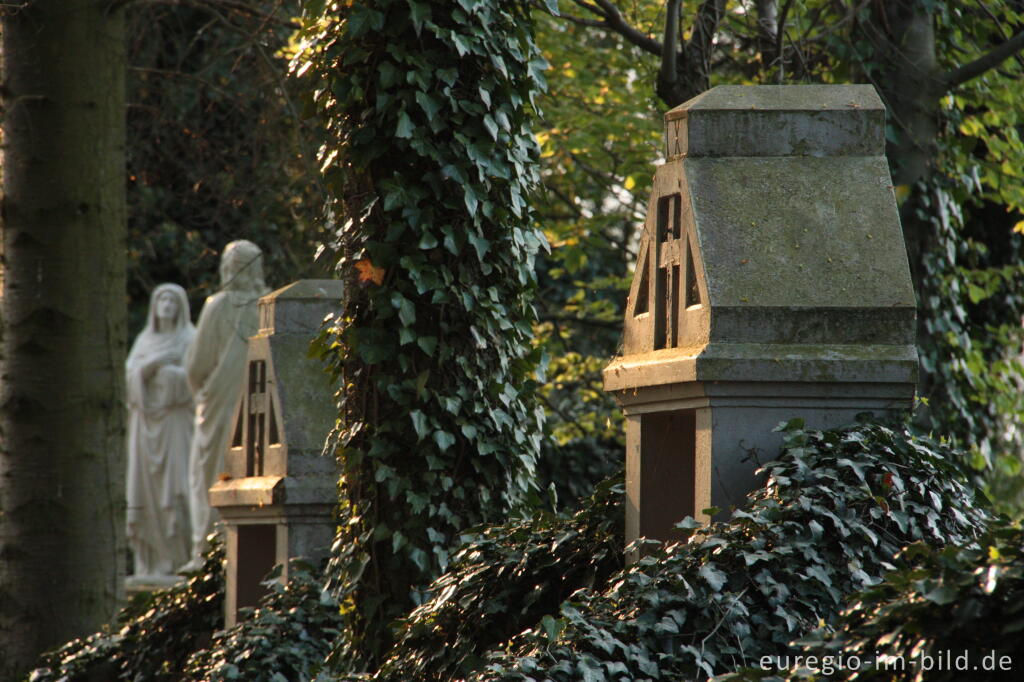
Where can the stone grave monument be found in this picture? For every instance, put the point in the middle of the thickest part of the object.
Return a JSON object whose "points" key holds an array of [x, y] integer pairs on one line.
{"points": [[277, 495], [772, 282]]}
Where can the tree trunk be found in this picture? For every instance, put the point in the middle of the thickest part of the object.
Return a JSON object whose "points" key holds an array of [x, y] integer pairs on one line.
{"points": [[62, 384]]}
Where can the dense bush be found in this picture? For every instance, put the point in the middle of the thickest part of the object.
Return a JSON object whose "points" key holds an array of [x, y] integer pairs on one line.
{"points": [[286, 639], [506, 579], [836, 511], [153, 636], [955, 613]]}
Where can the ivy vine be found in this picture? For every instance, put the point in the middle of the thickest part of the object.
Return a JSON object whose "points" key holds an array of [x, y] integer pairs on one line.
{"points": [[505, 579], [429, 166]]}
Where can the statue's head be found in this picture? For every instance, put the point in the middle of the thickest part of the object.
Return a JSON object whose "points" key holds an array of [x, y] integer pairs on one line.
{"points": [[241, 267], [168, 308]]}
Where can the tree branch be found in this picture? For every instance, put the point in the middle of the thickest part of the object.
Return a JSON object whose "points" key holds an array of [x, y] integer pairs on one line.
{"points": [[670, 48], [612, 20], [591, 23], [779, 35], [705, 24], [992, 59]]}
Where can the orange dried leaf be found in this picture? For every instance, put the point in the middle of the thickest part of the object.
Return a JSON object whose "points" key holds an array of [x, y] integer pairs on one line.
{"points": [[368, 272]]}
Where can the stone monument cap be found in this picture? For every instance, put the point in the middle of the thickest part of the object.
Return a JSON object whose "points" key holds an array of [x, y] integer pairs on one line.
{"points": [[778, 120], [292, 308]]}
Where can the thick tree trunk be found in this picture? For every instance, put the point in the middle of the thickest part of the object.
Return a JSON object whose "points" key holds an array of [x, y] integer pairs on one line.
{"points": [[911, 85], [62, 384]]}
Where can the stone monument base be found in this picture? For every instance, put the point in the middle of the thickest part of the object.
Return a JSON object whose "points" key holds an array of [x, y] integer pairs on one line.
{"points": [[137, 584]]}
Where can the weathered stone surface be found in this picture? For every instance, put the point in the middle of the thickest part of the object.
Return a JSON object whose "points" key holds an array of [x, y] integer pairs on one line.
{"points": [[776, 120]]}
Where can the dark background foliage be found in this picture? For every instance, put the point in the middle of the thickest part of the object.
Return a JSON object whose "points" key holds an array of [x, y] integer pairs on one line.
{"points": [[216, 148]]}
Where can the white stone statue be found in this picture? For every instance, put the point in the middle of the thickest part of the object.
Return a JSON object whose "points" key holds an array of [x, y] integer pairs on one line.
{"points": [[216, 368], [159, 436]]}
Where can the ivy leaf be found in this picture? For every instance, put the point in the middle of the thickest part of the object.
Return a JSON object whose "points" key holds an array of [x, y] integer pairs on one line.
{"points": [[419, 423], [942, 595], [406, 309], [427, 344], [443, 439], [470, 197], [552, 626], [428, 103], [420, 14], [715, 578], [405, 126], [427, 241], [491, 126], [479, 243], [461, 44]]}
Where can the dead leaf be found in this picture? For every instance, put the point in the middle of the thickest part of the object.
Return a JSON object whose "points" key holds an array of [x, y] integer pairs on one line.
{"points": [[368, 272]]}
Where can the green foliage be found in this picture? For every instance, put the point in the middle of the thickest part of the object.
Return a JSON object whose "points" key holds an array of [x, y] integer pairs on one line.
{"points": [[972, 294], [503, 580], [286, 639], [429, 165], [153, 636], [215, 149], [971, 316], [835, 511], [599, 136], [957, 605]]}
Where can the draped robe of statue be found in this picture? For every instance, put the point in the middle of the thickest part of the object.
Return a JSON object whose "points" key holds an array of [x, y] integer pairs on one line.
{"points": [[216, 370], [160, 419]]}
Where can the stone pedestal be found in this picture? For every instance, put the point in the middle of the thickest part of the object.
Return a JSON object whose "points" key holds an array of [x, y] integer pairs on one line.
{"points": [[277, 501], [772, 283]]}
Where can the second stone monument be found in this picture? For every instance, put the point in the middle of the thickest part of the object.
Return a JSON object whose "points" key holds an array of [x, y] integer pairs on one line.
{"points": [[279, 489]]}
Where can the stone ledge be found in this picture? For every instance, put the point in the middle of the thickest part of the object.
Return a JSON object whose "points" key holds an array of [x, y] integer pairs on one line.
{"points": [[755, 362]]}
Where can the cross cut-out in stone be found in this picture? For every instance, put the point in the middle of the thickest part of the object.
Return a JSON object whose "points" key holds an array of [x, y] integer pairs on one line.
{"points": [[670, 245], [258, 404]]}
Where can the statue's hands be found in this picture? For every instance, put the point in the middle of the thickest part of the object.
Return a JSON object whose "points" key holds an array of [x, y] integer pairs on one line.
{"points": [[158, 361]]}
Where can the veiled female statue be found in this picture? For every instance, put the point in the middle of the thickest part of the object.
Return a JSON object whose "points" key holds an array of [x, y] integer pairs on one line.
{"points": [[160, 425], [216, 370]]}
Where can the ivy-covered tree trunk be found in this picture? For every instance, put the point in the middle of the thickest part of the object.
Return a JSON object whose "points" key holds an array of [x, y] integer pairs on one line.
{"points": [[61, 390], [430, 164]]}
